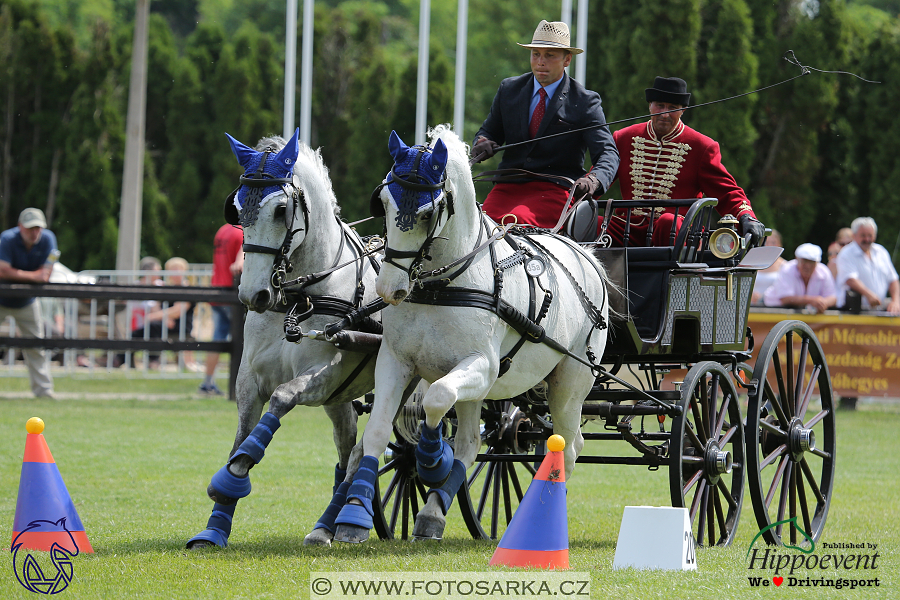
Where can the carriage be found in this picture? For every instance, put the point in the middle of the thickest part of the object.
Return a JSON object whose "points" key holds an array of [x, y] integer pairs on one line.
{"points": [[677, 324], [680, 311]]}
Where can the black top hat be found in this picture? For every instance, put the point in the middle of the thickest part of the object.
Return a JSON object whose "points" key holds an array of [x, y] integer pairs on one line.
{"points": [[668, 89]]}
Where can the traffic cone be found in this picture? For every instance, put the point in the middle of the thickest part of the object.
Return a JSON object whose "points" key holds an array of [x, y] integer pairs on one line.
{"points": [[538, 534], [45, 513]]}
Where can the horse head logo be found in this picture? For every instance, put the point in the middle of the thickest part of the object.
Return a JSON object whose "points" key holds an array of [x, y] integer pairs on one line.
{"points": [[28, 570], [264, 176], [416, 181]]}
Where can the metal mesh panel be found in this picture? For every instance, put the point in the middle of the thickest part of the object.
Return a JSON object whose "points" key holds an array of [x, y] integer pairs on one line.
{"points": [[703, 301], [725, 315], [677, 303]]}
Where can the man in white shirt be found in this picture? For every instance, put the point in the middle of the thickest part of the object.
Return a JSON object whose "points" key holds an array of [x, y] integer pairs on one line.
{"points": [[866, 268], [803, 282]]}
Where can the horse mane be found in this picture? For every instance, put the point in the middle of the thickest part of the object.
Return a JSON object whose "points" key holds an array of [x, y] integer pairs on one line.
{"points": [[458, 169], [320, 182]]}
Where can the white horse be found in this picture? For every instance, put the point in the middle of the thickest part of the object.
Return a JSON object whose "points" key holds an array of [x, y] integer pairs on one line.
{"points": [[291, 229], [458, 330]]}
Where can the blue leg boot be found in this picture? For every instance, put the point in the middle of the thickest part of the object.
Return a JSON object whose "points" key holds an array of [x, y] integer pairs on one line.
{"points": [[431, 527], [354, 521], [434, 457], [218, 528], [339, 476], [226, 488]]}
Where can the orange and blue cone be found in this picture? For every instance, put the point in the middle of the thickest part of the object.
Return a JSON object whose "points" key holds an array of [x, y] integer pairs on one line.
{"points": [[45, 513], [538, 534]]}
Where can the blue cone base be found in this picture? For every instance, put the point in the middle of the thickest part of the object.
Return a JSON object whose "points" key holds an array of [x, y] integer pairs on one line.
{"points": [[230, 485], [352, 514]]}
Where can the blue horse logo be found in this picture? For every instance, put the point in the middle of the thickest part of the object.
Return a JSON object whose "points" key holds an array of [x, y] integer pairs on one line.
{"points": [[29, 571]]}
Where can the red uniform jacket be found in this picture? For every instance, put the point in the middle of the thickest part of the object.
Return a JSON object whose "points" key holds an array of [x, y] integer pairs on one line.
{"points": [[684, 164]]}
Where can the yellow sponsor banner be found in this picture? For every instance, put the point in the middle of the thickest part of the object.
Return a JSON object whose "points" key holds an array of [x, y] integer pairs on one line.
{"points": [[862, 351]]}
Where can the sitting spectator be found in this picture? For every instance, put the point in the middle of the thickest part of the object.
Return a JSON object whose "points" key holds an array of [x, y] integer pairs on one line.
{"points": [[803, 282], [767, 277], [843, 237], [179, 309], [865, 268]]}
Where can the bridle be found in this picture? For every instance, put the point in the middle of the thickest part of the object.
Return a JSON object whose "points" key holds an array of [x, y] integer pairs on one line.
{"points": [[413, 183]]}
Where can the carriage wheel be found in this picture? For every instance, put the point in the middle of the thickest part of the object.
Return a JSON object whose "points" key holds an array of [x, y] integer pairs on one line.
{"points": [[706, 472], [791, 441], [400, 491], [494, 488]]}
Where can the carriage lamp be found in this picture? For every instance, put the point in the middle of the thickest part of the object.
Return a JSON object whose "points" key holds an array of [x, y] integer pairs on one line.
{"points": [[724, 242]]}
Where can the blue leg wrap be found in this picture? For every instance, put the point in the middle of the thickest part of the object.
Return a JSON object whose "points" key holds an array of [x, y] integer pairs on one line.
{"points": [[447, 491], [218, 528], [339, 476], [362, 489], [326, 521], [255, 444], [230, 485], [434, 458]]}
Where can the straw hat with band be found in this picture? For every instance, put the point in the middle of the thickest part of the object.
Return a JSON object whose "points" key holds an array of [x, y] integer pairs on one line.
{"points": [[552, 35]]}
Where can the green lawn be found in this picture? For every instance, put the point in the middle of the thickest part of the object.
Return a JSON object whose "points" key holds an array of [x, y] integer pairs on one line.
{"points": [[138, 469]]}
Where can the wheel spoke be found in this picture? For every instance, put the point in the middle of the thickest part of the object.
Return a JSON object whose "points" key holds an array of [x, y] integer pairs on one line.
{"points": [[476, 473], [720, 515], [804, 507], [792, 493], [783, 497], [515, 481], [495, 502], [696, 502], [407, 489], [700, 434], [703, 494], [414, 497], [801, 373], [507, 505], [779, 451], [710, 502], [778, 473], [692, 436], [789, 399], [724, 493], [720, 418], [821, 453], [772, 428], [807, 393], [395, 510], [819, 416], [485, 489], [774, 400], [812, 481], [728, 435], [710, 405], [391, 464], [690, 482]]}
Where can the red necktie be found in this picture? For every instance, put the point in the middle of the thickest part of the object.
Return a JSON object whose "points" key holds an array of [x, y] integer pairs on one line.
{"points": [[538, 114]]}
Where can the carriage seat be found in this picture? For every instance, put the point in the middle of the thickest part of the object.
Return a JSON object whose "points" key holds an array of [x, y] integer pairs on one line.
{"points": [[582, 227]]}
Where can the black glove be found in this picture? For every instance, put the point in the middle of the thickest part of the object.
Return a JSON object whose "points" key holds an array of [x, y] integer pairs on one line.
{"points": [[586, 187], [753, 228], [484, 149]]}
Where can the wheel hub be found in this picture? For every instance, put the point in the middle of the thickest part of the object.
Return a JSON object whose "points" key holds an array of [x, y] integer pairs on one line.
{"points": [[800, 439], [717, 462]]}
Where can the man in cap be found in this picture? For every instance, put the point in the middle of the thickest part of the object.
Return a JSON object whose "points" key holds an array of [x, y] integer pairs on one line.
{"points": [[866, 268], [534, 105], [803, 282], [27, 254], [664, 158]]}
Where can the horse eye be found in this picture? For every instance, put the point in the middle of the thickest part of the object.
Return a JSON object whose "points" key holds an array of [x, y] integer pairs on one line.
{"points": [[280, 211]]}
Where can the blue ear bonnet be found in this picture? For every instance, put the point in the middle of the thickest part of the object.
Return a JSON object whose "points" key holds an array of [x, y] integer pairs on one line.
{"points": [[414, 169], [278, 168]]}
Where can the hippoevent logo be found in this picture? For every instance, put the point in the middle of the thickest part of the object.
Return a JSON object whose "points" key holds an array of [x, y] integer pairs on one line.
{"points": [[53, 572], [799, 566]]}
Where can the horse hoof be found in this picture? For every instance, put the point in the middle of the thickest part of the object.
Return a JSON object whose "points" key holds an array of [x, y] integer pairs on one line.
{"points": [[429, 527], [318, 537], [208, 538], [351, 534], [199, 545]]}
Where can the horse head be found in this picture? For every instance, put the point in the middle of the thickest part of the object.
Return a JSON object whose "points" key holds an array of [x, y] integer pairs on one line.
{"points": [[417, 205], [271, 207]]}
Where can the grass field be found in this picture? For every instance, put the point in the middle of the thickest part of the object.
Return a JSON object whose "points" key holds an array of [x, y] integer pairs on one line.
{"points": [[138, 469]]}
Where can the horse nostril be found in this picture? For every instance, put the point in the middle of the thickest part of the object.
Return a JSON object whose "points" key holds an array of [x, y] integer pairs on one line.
{"points": [[262, 298], [399, 295]]}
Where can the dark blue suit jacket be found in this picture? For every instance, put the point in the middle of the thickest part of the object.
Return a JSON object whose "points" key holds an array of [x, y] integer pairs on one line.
{"points": [[571, 107]]}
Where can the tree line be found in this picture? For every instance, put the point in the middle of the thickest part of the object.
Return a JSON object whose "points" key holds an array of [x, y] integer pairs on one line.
{"points": [[812, 153]]}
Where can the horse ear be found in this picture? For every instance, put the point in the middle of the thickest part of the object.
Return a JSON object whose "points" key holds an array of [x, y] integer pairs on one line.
{"points": [[243, 153], [397, 147], [439, 155], [288, 155]]}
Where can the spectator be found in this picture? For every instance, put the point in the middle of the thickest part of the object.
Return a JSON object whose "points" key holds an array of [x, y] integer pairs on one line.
{"points": [[535, 105], [27, 254], [843, 237], [767, 277], [865, 268], [803, 282], [182, 309], [228, 262], [147, 314]]}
